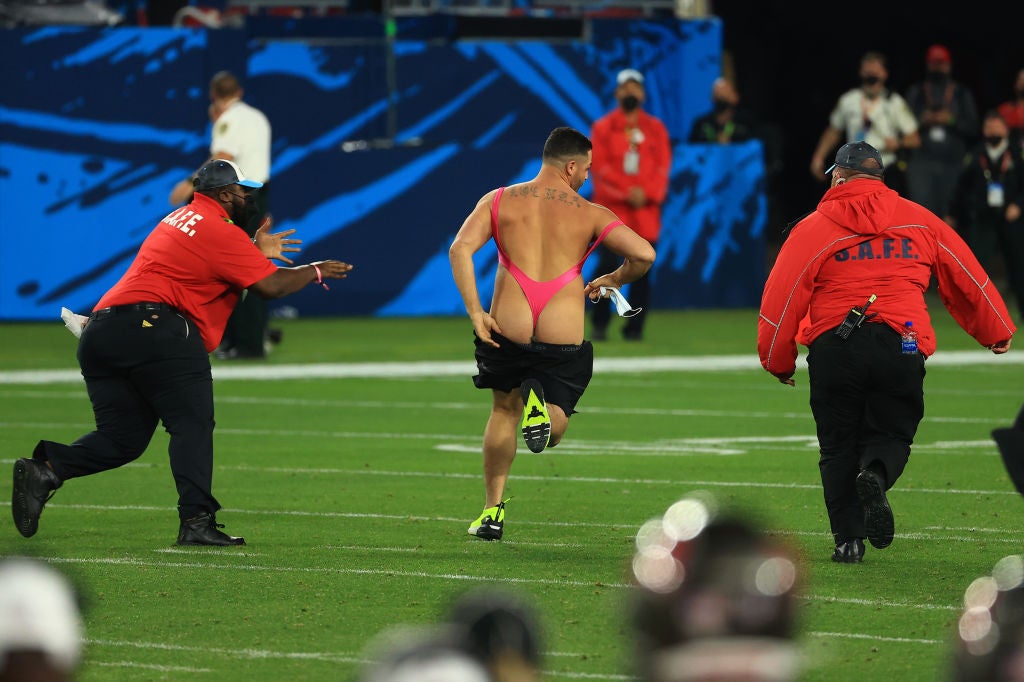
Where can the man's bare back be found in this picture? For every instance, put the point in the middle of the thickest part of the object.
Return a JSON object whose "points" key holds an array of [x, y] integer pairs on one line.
{"points": [[545, 231], [545, 228]]}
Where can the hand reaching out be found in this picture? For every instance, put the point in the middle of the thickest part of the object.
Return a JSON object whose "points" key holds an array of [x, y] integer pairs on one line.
{"points": [[332, 269], [274, 245]]}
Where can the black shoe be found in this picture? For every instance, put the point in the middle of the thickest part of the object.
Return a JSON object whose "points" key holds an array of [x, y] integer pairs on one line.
{"points": [[274, 335], [878, 522], [849, 552], [632, 335], [1011, 448], [34, 484], [202, 530]]}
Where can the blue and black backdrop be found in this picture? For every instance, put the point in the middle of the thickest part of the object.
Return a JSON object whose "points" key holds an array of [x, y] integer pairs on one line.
{"points": [[380, 150]]}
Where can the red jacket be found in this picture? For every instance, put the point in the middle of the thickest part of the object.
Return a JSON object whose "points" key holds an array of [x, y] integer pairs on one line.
{"points": [[865, 239], [611, 140]]}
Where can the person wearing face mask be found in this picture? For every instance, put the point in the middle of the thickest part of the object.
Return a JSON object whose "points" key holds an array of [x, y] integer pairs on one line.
{"points": [[987, 201], [726, 122], [530, 350], [873, 114], [1012, 112], [144, 350], [948, 119], [849, 283], [729, 123], [632, 161], [240, 133]]}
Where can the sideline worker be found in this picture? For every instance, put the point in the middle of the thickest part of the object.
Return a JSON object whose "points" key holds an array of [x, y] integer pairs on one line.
{"points": [[865, 242], [145, 351]]}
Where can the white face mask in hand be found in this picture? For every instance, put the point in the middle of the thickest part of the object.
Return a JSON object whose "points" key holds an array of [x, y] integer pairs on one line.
{"points": [[622, 306], [73, 322]]}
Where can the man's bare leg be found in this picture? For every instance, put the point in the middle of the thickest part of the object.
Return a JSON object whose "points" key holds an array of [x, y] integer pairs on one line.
{"points": [[500, 438], [559, 423]]}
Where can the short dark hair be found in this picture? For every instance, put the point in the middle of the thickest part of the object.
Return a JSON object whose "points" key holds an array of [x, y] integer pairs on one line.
{"points": [[874, 56], [224, 85], [564, 143], [994, 113]]}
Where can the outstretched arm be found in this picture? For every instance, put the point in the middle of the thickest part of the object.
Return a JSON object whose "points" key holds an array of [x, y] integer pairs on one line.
{"points": [[289, 280], [637, 257], [475, 232]]}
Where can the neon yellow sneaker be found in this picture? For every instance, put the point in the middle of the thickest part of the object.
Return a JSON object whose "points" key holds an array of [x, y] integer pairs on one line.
{"points": [[536, 420], [491, 523]]}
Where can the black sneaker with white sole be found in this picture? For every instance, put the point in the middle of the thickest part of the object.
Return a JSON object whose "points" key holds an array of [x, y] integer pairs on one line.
{"points": [[490, 524], [536, 426], [849, 552]]}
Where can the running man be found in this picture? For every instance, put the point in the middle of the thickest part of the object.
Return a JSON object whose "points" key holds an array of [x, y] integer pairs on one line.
{"points": [[530, 349]]}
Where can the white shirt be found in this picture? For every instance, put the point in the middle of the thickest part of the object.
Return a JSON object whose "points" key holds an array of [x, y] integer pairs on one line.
{"points": [[888, 114], [244, 132]]}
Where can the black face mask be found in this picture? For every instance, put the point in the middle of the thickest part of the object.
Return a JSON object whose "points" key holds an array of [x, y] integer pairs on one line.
{"points": [[937, 76], [994, 140], [721, 107], [870, 80], [629, 102], [242, 212]]}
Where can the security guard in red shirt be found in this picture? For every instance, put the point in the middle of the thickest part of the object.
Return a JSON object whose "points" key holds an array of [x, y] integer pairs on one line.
{"points": [[629, 174], [144, 351], [866, 243]]}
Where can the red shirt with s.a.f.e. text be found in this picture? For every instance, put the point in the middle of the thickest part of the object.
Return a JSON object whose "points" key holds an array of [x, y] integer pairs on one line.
{"points": [[197, 261]]}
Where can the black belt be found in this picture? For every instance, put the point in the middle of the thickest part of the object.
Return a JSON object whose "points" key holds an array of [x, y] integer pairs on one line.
{"points": [[131, 308]]}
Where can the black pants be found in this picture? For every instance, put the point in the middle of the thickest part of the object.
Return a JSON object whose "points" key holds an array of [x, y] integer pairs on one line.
{"points": [[141, 367], [867, 398], [247, 326], [988, 234], [639, 297]]}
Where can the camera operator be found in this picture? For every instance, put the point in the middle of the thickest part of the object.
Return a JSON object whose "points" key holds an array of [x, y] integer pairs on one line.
{"points": [[866, 246]]}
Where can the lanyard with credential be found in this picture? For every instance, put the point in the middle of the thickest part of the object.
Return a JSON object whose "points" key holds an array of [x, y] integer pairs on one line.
{"points": [[1004, 165]]}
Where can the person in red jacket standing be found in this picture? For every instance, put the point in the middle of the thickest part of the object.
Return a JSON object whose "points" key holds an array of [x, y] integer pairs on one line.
{"points": [[630, 171], [848, 283]]}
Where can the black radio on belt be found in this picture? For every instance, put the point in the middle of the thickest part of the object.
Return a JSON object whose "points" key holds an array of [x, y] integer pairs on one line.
{"points": [[854, 319]]}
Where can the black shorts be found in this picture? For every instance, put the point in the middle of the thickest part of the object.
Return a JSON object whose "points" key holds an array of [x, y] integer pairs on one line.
{"points": [[563, 370]]}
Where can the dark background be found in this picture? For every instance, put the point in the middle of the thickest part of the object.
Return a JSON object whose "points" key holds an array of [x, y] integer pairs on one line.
{"points": [[794, 58]]}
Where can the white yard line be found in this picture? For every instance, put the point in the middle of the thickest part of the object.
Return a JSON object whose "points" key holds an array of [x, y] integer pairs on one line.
{"points": [[149, 666], [875, 638], [467, 368], [377, 573], [231, 652]]}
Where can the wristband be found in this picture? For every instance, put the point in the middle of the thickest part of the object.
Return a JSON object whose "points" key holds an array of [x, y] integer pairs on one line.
{"points": [[319, 277]]}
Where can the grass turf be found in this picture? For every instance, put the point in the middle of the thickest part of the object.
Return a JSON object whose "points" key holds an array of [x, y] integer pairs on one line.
{"points": [[354, 495]]}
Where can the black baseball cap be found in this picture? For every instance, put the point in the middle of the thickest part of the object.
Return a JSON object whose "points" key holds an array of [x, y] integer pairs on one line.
{"points": [[221, 173], [853, 155]]}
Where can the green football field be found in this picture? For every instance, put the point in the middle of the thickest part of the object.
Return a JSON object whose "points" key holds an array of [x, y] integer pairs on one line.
{"points": [[350, 462]]}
